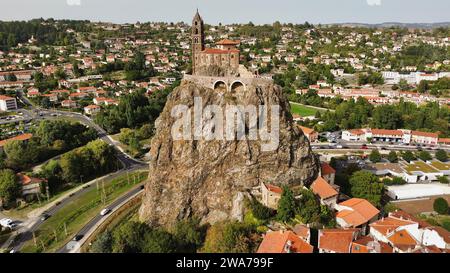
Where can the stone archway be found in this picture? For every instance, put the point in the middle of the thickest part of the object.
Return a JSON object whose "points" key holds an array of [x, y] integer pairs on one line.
{"points": [[220, 85], [237, 86]]}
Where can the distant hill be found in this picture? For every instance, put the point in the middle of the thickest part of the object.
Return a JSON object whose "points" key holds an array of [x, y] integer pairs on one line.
{"points": [[397, 24]]}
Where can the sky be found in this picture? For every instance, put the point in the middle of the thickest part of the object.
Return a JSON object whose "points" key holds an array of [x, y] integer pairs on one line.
{"points": [[231, 11]]}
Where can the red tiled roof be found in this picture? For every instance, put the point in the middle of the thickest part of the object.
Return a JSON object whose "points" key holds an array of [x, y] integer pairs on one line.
{"points": [[402, 239], [92, 106], [337, 240], [276, 242], [360, 212], [327, 169], [274, 189], [367, 244], [3, 97], [425, 134], [227, 42], [389, 224], [19, 137], [357, 132], [219, 51], [301, 230], [306, 130], [323, 189], [26, 180], [387, 132]]}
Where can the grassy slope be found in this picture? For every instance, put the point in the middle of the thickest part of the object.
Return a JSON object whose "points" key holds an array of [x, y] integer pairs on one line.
{"points": [[78, 213]]}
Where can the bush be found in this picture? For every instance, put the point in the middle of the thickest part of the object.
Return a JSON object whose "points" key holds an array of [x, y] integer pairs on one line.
{"points": [[394, 181], [440, 206], [441, 155], [375, 156], [230, 237], [425, 156], [443, 180], [260, 211]]}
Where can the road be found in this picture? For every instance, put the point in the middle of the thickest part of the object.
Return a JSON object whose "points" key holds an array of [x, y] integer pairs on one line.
{"points": [[26, 233], [129, 164], [379, 146], [89, 228]]}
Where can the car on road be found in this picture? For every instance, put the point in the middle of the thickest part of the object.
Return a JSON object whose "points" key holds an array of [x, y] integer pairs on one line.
{"points": [[364, 147], [72, 194], [86, 186], [58, 203], [78, 237], [105, 211], [45, 216]]}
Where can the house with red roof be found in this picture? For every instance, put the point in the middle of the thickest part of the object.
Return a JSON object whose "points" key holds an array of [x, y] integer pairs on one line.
{"points": [[270, 195], [311, 134], [69, 103], [284, 242], [327, 194], [23, 137], [31, 186], [356, 213], [424, 137], [92, 109], [328, 173], [368, 244], [405, 233], [336, 240]]}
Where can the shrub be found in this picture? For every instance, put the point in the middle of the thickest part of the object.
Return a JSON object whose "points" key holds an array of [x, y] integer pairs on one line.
{"points": [[440, 206]]}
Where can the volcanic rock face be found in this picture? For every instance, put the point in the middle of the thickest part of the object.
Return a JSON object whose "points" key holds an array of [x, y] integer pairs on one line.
{"points": [[210, 178]]}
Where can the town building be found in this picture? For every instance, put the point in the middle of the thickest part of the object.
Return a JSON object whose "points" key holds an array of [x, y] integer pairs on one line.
{"points": [[7, 103], [270, 195], [283, 242], [356, 213], [311, 134], [225, 56], [336, 240]]}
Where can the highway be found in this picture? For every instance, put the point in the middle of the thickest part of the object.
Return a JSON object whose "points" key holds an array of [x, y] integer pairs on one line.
{"points": [[129, 164], [88, 229]]}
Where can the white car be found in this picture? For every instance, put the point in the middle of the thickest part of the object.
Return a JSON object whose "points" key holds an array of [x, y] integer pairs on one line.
{"points": [[105, 211], [5, 222]]}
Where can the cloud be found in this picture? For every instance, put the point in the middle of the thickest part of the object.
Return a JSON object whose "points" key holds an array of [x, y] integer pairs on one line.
{"points": [[73, 2], [374, 2]]}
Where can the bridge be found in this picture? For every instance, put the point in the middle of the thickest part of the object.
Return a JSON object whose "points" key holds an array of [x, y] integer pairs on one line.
{"points": [[228, 83]]}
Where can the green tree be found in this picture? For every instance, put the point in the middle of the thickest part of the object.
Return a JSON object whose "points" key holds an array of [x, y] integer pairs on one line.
{"points": [[443, 180], [286, 205], [229, 237], [425, 156], [441, 155], [189, 235], [408, 156], [9, 186], [364, 184], [158, 241], [260, 211], [392, 157], [103, 244], [375, 156], [129, 237], [440, 205]]}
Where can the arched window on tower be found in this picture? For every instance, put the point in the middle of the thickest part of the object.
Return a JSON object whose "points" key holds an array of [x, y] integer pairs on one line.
{"points": [[196, 31]]}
